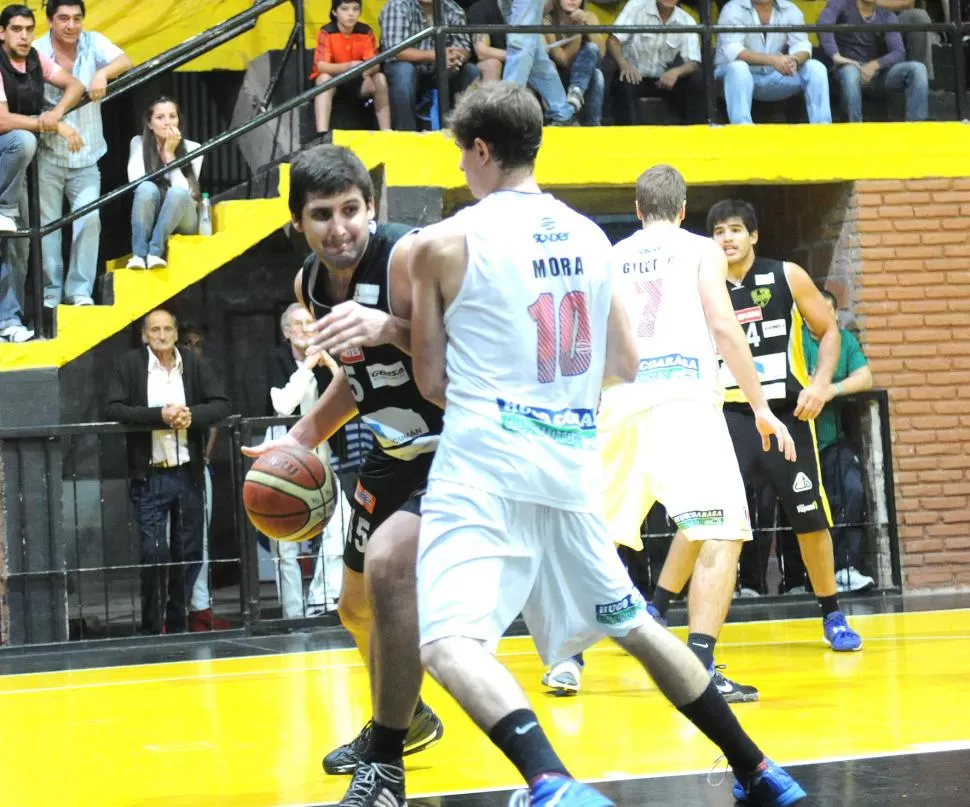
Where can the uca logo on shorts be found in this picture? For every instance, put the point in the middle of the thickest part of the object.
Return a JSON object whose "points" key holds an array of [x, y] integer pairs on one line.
{"points": [[761, 296], [353, 355], [802, 483]]}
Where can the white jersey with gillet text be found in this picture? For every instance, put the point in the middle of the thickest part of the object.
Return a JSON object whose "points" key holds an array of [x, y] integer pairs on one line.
{"points": [[526, 353], [656, 272]]}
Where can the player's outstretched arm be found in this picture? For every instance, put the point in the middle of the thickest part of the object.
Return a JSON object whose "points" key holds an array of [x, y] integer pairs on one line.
{"points": [[621, 346], [731, 344], [437, 266], [817, 313], [331, 411]]}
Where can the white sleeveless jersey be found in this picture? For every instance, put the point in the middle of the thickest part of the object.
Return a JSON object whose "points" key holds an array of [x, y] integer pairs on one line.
{"points": [[656, 273], [526, 353]]}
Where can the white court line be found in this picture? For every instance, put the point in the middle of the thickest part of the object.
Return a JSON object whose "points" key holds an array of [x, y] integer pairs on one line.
{"points": [[916, 748], [212, 676], [294, 653]]}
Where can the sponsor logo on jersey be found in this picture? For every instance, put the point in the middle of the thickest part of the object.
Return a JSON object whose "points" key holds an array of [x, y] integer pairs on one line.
{"points": [[761, 296], [746, 315], [549, 236], [401, 433], [807, 508], [699, 518], [801, 483], [366, 293], [569, 427], [671, 366], [616, 613], [387, 375], [774, 327], [365, 498], [767, 279], [353, 355]]}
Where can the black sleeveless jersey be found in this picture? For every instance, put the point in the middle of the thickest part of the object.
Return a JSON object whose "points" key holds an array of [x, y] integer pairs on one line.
{"points": [[405, 425], [772, 323]]}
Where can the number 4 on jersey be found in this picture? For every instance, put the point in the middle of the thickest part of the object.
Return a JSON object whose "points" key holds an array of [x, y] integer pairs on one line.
{"points": [[754, 338], [572, 351]]}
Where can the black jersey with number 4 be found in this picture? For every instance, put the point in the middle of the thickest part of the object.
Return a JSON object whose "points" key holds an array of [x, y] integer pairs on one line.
{"points": [[404, 423], [772, 323]]}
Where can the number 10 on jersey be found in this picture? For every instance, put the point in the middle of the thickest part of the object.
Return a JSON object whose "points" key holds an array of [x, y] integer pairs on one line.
{"points": [[572, 351]]}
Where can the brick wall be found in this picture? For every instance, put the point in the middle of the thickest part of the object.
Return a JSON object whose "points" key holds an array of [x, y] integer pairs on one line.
{"points": [[912, 298]]}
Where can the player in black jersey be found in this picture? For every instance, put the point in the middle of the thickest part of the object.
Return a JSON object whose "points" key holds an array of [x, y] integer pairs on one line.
{"points": [[770, 299], [357, 287]]}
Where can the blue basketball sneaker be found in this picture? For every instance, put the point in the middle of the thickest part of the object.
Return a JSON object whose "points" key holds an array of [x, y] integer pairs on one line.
{"points": [[558, 791], [656, 615], [838, 635], [769, 786]]}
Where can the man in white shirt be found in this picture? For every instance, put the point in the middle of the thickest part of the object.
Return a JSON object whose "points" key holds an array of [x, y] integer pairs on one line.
{"points": [[93, 60], [769, 66], [664, 66], [179, 395]]}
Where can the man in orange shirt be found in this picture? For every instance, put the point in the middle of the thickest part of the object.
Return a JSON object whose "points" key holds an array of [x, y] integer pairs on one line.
{"points": [[342, 44]]}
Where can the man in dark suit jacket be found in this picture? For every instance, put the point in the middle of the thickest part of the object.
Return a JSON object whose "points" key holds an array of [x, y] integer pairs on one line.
{"points": [[181, 397]]}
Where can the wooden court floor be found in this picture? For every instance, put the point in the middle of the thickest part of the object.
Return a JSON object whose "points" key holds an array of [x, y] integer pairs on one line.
{"points": [[250, 731]]}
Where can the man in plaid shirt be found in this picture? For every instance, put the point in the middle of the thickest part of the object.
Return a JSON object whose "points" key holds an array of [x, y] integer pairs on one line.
{"points": [[412, 71]]}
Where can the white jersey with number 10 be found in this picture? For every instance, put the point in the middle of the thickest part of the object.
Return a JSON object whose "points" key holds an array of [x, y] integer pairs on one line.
{"points": [[526, 353], [657, 273]]}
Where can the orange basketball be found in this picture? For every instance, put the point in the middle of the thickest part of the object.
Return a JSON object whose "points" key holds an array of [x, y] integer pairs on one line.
{"points": [[289, 494]]}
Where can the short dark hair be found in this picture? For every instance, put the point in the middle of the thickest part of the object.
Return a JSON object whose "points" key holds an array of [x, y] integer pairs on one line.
{"points": [[335, 4], [661, 193], [53, 5], [732, 209], [830, 298], [326, 171], [15, 11], [505, 116]]}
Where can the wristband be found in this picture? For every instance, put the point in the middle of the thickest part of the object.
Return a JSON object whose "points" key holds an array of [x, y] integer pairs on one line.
{"points": [[838, 388]]}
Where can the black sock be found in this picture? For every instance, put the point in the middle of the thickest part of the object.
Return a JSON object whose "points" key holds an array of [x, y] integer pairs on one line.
{"points": [[661, 600], [703, 647], [711, 714], [386, 744], [519, 736], [829, 604]]}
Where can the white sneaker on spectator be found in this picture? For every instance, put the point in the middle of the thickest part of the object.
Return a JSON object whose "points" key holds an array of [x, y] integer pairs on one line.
{"points": [[134, 262], [797, 590], [51, 302], [7, 224], [82, 299], [575, 98], [17, 334], [747, 593], [154, 262], [851, 579]]}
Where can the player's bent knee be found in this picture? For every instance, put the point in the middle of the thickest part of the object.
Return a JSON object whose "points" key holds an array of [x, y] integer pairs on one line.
{"points": [[391, 563]]}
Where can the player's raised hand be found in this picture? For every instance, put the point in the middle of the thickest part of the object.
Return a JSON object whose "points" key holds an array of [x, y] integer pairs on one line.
{"points": [[286, 441], [348, 325], [767, 425]]}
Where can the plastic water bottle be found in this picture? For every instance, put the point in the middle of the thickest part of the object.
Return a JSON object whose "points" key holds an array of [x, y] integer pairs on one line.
{"points": [[205, 216]]}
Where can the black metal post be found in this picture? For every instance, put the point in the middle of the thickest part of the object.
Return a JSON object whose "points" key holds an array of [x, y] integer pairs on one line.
{"points": [[299, 27], [959, 59], [248, 559], [295, 33], [441, 61], [890, 487], [36, 260], [707, 61]]}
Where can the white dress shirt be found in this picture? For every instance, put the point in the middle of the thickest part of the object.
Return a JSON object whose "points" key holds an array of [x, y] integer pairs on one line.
{"points": [[653, 54], [169, 447], [743, 12]]}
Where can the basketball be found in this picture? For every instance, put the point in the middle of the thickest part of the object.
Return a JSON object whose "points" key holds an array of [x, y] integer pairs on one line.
{"points": [[289, 494]]}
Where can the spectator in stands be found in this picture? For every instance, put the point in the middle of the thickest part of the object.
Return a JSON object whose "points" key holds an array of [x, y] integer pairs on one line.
{"points": [[769, 66], [528, 63], [169, 203], [171, 390], [841, 469], [296, 382], [412, 72], [664, 66], [577, 58], [24, 72], [861, 68], [919, 44], [490, 49], [201, 617], [93, 60], [342, 44]]}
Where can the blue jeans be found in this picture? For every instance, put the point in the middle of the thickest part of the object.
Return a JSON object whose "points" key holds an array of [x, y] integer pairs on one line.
{"points": [[154, 220], [741, 84], [404, 80], [907, 77], [584, 73], [17, 149], [528, 63], [81, 186]]}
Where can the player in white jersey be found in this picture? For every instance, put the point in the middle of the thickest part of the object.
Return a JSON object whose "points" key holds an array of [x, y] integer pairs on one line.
{"points": [[516, 328]]}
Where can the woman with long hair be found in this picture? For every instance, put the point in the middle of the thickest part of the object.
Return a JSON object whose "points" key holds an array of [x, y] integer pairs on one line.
{"points": [[169, 203], [577, 57]]}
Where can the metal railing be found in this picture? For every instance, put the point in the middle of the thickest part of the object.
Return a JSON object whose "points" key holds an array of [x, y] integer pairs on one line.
{"points": [[244, 21]]}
